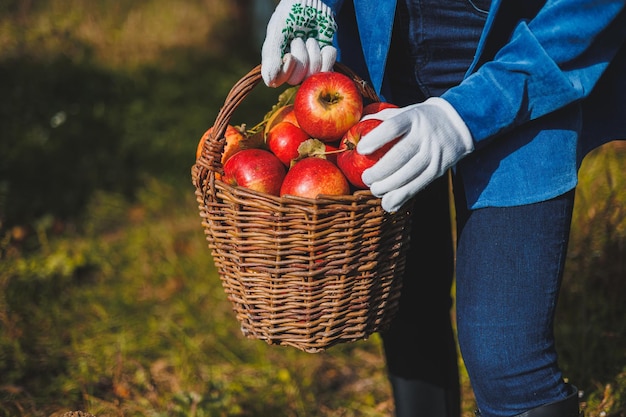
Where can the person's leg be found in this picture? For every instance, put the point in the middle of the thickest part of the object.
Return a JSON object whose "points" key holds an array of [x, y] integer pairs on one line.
{"points": [[420, 348], [509, 268], [430, 52]]}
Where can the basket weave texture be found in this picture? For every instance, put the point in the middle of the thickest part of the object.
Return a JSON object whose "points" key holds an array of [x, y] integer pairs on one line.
{"points": [[307, 273]]}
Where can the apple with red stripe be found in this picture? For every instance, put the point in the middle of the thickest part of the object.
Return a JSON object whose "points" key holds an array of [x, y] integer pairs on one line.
{"points": [[327, 104], [256, 169], [352, 163]]}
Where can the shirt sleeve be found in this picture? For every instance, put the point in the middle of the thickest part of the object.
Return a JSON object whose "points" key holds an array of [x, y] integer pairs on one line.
{"points": [[550, 61]]}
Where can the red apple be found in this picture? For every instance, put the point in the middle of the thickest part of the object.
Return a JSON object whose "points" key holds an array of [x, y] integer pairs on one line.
{"points": [[377, 106], [327, 104], [256, 169], [283, 140], [283, 113], [352, 163], [314, 176], [235, 139], [290, 116]]}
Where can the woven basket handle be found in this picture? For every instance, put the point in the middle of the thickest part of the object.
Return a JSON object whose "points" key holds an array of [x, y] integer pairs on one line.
{"points": [[216, 139], [235, 97]]}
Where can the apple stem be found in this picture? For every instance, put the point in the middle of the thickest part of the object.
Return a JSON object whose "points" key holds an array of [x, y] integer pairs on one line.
{"points": [[330, 99], [333, 152]]}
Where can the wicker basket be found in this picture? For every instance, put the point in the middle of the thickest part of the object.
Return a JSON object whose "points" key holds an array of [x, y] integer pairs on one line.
{"points": [[307, 273]]}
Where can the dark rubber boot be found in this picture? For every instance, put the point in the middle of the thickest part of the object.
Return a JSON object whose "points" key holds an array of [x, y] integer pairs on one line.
{"points": [[567, 407], [414, 398]]}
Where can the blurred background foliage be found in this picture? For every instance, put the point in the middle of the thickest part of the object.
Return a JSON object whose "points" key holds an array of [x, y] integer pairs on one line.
{"points": [[109, 302]]}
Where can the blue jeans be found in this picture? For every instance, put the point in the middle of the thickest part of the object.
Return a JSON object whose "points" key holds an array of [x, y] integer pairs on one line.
{"points": [[430, 51], [509, 260], [509, 268], [420, 346]]}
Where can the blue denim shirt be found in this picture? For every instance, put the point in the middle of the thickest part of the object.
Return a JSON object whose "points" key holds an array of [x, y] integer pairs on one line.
{"points": [[547, 85]]}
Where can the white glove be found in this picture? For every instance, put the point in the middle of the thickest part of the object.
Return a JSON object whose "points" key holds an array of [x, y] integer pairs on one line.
{"points": [[298, 42], [432, 138]]}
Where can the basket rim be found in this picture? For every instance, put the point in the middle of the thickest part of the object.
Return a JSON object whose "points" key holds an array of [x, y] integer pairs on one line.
{"points": [[287, 199]]}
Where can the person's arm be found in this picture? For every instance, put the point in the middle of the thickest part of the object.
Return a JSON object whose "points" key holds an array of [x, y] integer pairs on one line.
{"points": [[549, 62]]}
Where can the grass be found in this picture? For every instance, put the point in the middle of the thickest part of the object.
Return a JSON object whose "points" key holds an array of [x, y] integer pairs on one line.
{"points": [[119, 34], [591, 329], [109, 301]]}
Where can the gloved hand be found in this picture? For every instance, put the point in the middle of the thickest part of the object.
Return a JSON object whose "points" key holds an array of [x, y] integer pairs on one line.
{"points": [[432, 138], [298, 42]]}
